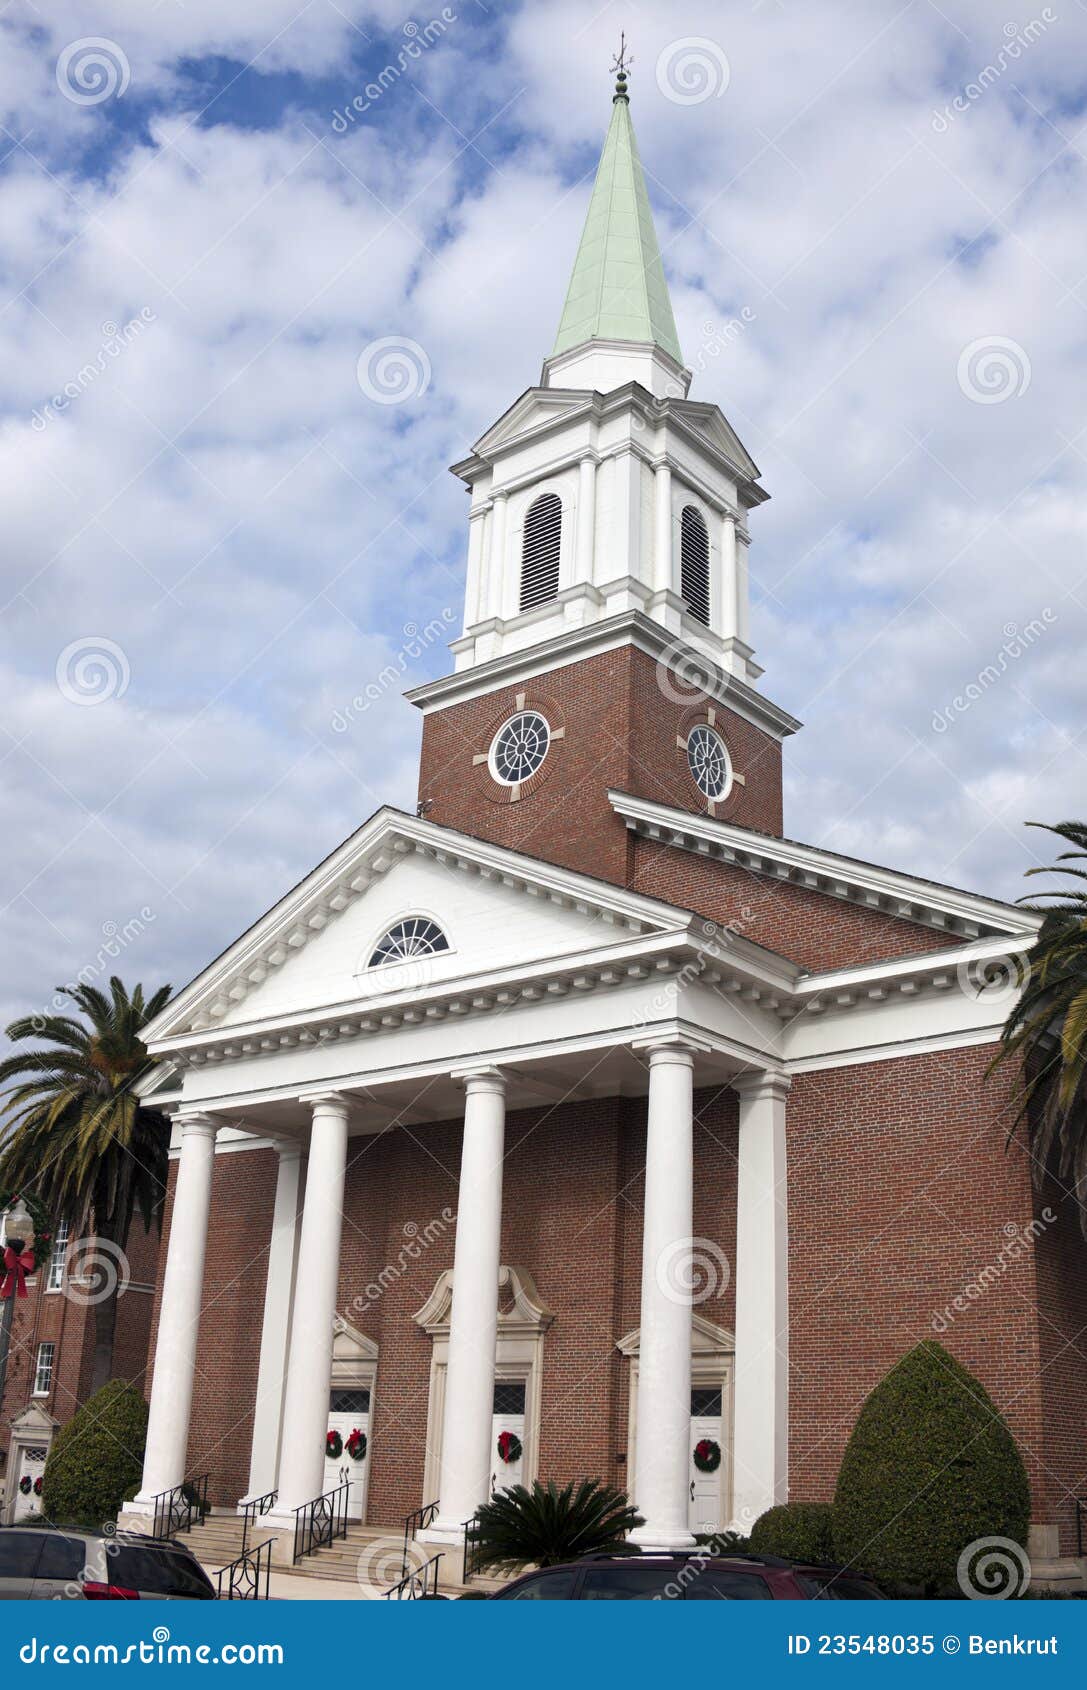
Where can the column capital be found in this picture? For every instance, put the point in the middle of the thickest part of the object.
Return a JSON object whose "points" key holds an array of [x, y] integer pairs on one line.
{"points": [[670, 1047], [327, 1100], [290, 1149], [764, 1083], [196, 1124], [480, 1076]]}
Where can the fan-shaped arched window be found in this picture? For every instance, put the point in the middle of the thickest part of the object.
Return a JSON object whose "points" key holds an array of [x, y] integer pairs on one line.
{"points": [[415, 936], [540, 551], [694, 564]]}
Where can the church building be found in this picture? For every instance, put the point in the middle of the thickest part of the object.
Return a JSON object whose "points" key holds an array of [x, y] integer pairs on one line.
{"points": [[586, 1115]]}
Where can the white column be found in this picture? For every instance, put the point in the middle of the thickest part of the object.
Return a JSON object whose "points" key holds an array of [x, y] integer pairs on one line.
{"points": [[466, 1463], [276, 1326], [730, 620], [503, 580], [663, 1429], [309, 1364], [662, 528], [743, 591], [166, 1450], [586, 520], [761, 1423], [473, 576]]}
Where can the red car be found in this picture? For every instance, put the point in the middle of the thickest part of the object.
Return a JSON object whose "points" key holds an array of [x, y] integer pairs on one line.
{"points": [[694, 1576]]}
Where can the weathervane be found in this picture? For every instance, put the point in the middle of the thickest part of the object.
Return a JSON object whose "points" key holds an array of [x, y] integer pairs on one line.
{"points": [[620, 66]]}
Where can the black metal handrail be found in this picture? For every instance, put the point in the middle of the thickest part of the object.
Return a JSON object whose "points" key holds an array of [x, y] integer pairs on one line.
{"points": [[245, 1575], [1081, 1509], [471, 1547], [320, 1522], [252, 1510], [415, 1522], [419, 1583], [181, 1507]]}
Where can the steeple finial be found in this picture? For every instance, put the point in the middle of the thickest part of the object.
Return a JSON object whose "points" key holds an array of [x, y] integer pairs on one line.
{"points": [[622, 60]]}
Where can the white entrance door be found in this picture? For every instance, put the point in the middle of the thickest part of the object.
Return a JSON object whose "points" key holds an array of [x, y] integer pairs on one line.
{"points": [[509, 1416], [704, 1507], [31, 1468], [347, 1411]]}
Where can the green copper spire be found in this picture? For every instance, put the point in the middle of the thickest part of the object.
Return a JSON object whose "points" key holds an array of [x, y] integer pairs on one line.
{"points": [[618, 290]]}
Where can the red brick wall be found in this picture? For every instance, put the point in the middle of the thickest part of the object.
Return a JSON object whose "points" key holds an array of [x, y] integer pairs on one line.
{"points": [[1061, 1276], [620, 731], [900, 1191]]}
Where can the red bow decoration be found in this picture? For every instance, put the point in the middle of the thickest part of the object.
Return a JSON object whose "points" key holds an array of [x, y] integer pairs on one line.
{"points": [[17, 1269]]}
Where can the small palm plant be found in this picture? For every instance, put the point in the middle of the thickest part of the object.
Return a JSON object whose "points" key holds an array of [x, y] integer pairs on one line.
{"points": [[545, 1526], [1046, 1033]]}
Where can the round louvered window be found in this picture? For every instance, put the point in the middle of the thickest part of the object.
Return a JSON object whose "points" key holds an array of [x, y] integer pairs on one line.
{"points": [[708, 762], [519, 748]]}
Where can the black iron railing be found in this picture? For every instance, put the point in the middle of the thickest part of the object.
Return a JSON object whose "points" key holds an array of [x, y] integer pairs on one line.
{"points": [[320, 1522], [419, 1583], [1081, 1509], [415, 1523], [248, 1578], [471, 1547], [252, 1510], [181, 1508]]}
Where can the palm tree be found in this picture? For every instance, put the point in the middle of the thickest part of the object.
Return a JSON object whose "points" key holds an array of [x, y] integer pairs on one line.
{"points": [[78, 1136], [1046, 1032], [544, 1526]]}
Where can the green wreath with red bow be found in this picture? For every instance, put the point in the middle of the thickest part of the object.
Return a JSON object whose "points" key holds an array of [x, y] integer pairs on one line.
{"points": [[707, 1455], [509, 1447], [356, 1445], [333, 1445]]}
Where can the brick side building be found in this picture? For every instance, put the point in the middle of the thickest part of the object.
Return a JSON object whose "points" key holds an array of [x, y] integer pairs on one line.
{"points": [[586, 1105]]}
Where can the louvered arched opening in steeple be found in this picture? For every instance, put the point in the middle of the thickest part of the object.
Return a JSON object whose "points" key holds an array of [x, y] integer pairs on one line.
{"points": [[694, 564], [540, 551]]}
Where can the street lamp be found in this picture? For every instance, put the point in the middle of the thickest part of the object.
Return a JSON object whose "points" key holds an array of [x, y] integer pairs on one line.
{"points": [[18, 1240]]}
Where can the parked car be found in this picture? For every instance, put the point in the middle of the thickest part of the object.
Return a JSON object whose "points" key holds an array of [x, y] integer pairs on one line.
{"points": [[694, 1576], [44, 1562]]}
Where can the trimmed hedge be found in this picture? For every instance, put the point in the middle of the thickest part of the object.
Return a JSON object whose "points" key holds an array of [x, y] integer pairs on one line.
{"points": [[930, 1468], [799, 1531], [96, 1460]]}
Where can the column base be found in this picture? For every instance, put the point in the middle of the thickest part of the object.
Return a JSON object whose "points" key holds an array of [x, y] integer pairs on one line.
{"points": [[443, 1533], [653, 1541]]}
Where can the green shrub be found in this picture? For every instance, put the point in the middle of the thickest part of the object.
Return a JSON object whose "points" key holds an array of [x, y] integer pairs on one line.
{"points": [[799, 1531], [96, 1460], [545, 1526], [930, 1468]]}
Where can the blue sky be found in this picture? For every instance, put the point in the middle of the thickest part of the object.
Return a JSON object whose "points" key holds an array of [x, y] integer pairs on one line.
{"points": [[220, 539]]}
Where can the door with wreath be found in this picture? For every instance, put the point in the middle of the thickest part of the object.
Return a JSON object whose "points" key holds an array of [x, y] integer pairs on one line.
{"points": [[507, 1433], [28, 1480], [704, 1507], [347, 1447]]}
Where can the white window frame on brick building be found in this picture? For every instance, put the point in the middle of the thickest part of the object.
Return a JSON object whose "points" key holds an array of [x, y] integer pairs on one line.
{"points": [[44, 1367], [57, 1257]]}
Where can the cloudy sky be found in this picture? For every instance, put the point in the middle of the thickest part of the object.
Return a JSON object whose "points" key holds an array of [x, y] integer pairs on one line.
{"points": [[220, 537]]}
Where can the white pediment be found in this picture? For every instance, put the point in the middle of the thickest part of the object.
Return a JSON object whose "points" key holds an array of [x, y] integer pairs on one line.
{"points": [[34, 1421], [711, 423], [521, 1309], [497, 910], [539, 407]]}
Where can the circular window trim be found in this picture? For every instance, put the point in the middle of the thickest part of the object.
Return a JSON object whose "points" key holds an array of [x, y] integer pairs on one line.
{"points": [[518, 781], [709, 730]]}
